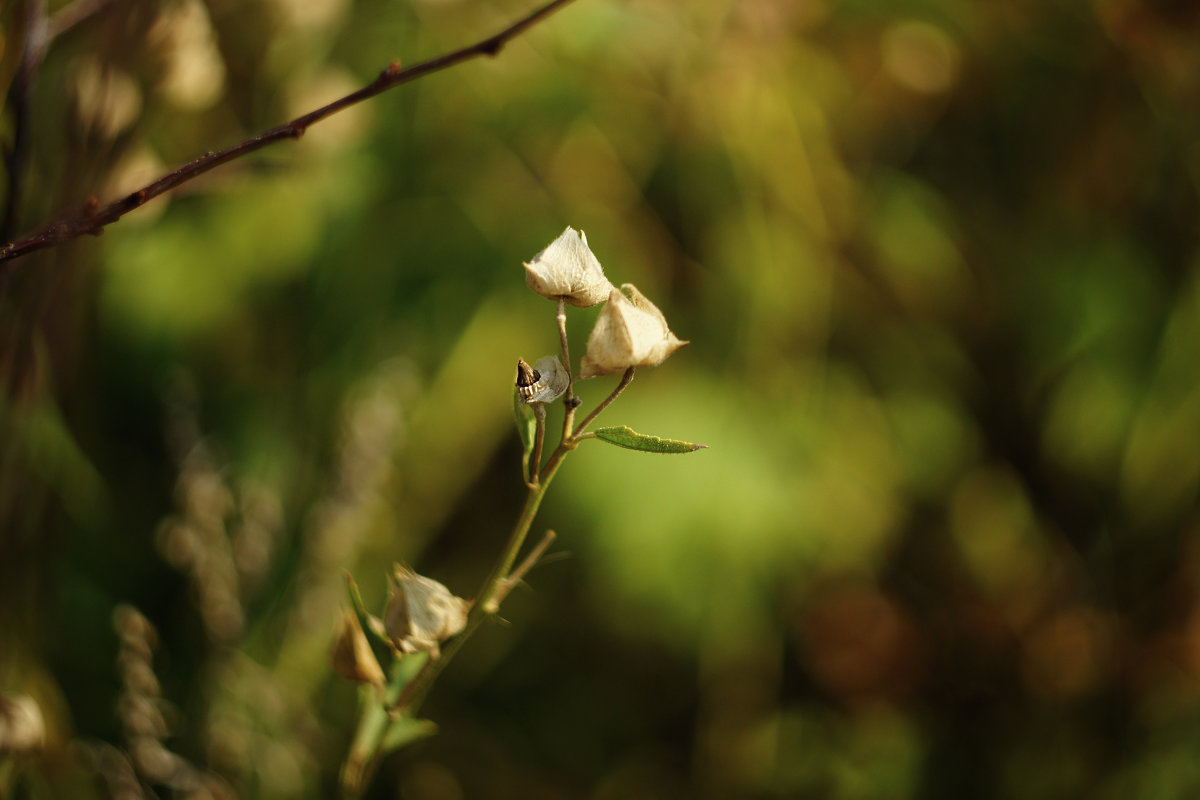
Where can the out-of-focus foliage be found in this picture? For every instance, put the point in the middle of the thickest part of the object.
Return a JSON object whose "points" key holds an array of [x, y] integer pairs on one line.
{"points": [[938, 264]]}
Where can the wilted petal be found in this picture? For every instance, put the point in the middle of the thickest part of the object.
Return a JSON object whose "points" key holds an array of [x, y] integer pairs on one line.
{"points": [[629, 332], [568, 269]]}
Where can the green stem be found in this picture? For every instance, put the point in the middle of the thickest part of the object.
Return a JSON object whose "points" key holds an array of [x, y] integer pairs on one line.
{"points": [[534, 461], [571, 400], [486, 603], [373, 728], [403, 697], [626, 379]]}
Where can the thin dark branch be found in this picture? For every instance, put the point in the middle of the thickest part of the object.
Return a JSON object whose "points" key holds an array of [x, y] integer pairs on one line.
{"points": [[94, 217]]}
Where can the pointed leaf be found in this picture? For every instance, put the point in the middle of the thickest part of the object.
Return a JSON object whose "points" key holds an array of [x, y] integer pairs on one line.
{"points": [[405, 731], [353, 658], [624, 436]]}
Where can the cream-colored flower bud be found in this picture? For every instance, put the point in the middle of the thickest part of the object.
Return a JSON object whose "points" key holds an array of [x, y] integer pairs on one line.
{"points": [[568, 269], [544, 382], [421, 613], [630, 332], [352, 656]]}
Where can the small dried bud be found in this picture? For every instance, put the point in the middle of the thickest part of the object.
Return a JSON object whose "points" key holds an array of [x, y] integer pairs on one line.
{"points": [[542, 383], [352, 656], [568, 269], [630, 332], [421, 612], [526, 375], [22, 728]]}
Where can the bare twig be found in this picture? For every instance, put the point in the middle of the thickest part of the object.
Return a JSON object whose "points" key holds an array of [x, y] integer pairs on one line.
{"points": [[625, 381], [94, 218], [529, 562]]}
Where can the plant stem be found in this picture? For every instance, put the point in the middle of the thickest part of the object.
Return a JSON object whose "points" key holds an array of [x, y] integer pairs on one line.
{"points": [[373, 727], [528, 563], [400, 705], [535, 459], [571, 400], [626, 379], [486, 603]]}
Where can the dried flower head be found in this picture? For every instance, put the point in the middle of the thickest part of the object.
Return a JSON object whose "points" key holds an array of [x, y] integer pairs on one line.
{"points": [[352, 656], [630, 332], [421, 613], [544, 382], [568, 269]]}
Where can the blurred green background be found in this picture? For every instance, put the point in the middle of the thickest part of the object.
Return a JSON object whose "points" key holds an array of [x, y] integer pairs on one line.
{"points": [[937, 262]]}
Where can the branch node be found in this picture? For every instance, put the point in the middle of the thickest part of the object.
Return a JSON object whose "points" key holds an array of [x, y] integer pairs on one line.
{"points": [[517, 575]]}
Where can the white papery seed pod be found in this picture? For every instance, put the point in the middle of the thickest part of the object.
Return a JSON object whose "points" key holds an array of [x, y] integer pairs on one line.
{"points": [[544, 382], [568, 269], [421, 613], [629, 332]]}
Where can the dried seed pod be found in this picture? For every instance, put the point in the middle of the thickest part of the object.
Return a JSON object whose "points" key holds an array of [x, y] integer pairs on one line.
{"points": [[421, 613], [529, 381], [568, 269], [352, 656], [629, 332], [542, 383]]}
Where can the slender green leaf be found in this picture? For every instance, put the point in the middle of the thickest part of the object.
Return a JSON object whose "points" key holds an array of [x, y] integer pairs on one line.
{"points": [[624, 436]]}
